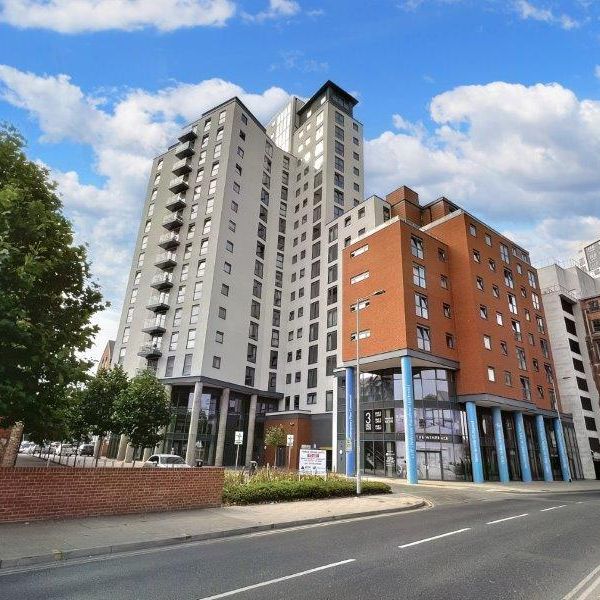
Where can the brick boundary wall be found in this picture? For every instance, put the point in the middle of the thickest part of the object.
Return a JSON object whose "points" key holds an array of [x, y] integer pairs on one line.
{"points": [[38, 493]]}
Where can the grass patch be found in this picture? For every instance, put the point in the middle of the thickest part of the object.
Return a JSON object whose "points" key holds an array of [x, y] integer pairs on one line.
{"points": [[283, 486]]}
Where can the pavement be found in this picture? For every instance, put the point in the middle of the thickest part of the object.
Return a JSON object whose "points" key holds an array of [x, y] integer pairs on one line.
{"points": [[40, 542], [471, 544]]}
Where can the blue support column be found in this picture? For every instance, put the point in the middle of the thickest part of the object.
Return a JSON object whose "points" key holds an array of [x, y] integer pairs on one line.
{"points": [[522, 446], [476, 463], [350, 425], [500, 445], [410, 440], [543, 445], [562, 450]]}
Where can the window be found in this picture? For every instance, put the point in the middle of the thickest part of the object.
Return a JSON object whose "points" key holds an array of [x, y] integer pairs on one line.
{"points": [[360, 277], [419, 275], [483, 311], [570, 326], [169, 366], [444, 281], [590, 423], [479, 283], [423, 338], [193, 314], [421, 306], [476, 256], [365, 333], [249, 378], [525, 388], [473, 230], [216, 362], [504, 253], [180, 294], [449, 340], [512, 303], [491, 374], [222, 312], [521, 358], [197, 290], [508, 378], [253, 330], [487, 342], [504, 348], [173, 341], [416, 246], [187, 365], [191, 339]]}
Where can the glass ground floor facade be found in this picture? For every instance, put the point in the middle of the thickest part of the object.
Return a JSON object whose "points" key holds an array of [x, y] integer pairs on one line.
{"points": [[442, 440]]}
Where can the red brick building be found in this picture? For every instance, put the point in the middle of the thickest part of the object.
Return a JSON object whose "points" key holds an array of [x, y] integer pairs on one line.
{"points": [[459, 304]]}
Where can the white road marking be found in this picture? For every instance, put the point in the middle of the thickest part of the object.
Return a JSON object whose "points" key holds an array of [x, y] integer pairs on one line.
{"points": [[552, 508], [582, 583], [435, 537], [506, 519], [278, 579]]}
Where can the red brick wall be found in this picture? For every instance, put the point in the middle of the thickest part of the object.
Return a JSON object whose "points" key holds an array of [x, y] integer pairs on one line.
{"points": [[33, 494]]}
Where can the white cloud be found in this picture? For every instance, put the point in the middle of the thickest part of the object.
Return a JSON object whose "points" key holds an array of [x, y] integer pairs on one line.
{"points": [[527, 10], [124, 135], [517, 156], [68, 16], [277, 9]]}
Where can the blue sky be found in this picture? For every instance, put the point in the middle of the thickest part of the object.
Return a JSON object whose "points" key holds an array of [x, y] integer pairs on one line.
{"points": [[495, 104]]}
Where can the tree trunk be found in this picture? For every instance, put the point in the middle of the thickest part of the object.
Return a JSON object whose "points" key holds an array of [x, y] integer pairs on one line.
{"points": [[11, 448]]}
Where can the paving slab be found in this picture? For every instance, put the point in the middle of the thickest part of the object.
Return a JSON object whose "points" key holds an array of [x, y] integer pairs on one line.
{"points": [[48, 541]]}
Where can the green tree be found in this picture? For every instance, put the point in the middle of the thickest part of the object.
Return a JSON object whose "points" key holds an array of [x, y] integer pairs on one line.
{"points": [[142, 410], [47, 298], [275, 436], [97, 402]]}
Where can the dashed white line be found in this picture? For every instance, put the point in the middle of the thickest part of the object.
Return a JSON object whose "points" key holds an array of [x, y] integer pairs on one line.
{"points": [[552, 508], [278, 579], [506, 519], [435, 537]]}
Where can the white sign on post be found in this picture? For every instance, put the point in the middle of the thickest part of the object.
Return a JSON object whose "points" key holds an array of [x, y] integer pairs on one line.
{"points": [[290, 440], [239, 438], [313, 462]]}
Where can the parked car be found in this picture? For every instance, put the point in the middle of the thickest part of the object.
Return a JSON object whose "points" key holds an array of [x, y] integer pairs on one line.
{"points": [[86, 450], [53, 447], [65, 450], [166, 461], [25, 447]]}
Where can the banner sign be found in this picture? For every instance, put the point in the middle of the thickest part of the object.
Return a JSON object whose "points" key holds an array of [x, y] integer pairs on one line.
{"points": [[313, 462]]}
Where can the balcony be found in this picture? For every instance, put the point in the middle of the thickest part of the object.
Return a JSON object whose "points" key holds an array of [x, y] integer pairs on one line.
{"points": [[189, 135], [173, 221], [176, 202], [179, 184], [166, 260], [150, 350], [183, 166], [162, 281], [158, 303], [154, 327], [184, 149], [168, 240]]}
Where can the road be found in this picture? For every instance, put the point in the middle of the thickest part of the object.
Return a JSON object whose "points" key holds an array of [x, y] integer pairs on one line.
{"points": [[469, 545]]}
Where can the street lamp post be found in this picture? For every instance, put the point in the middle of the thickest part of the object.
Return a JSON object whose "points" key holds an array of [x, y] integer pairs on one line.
{"points": [[358, 419]]}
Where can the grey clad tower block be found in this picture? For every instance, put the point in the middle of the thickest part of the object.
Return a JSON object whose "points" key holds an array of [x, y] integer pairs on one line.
{"points": [[234, 278]]}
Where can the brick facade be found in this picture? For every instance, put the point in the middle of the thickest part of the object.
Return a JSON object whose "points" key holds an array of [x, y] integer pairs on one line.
{"points": [[30, 494]]}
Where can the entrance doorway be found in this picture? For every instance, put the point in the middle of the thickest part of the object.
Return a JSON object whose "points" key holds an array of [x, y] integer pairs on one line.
{"points": [[429, 464]]}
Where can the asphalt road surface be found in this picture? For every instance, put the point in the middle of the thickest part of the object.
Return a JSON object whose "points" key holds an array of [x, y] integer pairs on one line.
{"points": [[470, 545]]}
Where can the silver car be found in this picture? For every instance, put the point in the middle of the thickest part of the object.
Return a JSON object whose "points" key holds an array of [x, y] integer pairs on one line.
{"points": [[166, 461]]}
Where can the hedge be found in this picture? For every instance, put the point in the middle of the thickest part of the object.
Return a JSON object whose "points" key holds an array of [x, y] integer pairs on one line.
{"points": [[306, 488]]}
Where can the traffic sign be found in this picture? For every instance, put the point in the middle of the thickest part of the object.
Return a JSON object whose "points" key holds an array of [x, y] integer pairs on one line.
{"points": [[239, 438], [290, 439]]}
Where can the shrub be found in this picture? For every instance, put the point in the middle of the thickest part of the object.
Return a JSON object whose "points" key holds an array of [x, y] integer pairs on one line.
{"points": [[270, 486]]}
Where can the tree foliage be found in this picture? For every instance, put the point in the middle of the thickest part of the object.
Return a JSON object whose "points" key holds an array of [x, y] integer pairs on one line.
{"points": [[98, 400], [142, 410], [47, 298], [275, 436]]}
